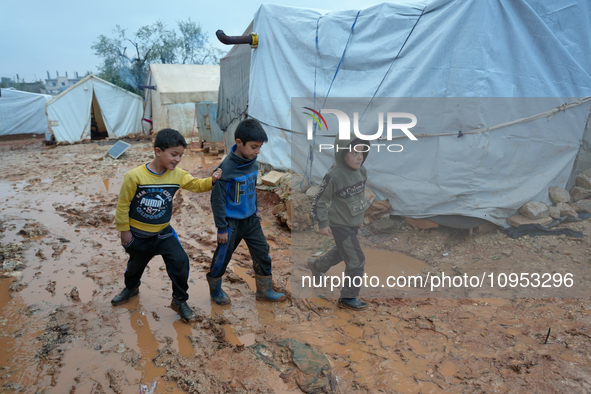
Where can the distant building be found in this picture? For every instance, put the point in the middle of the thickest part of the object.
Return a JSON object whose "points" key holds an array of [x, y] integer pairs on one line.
{"points": [[59, 84], [31, 87]]}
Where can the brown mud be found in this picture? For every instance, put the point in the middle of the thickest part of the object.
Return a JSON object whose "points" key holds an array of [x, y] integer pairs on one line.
{"points": [[62, 263]]}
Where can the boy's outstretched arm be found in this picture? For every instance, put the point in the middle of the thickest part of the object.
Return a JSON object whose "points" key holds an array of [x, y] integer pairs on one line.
{"points": [[197, 185]]}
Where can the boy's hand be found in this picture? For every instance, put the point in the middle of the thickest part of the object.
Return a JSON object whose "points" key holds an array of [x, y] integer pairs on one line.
{"points": [[125, 237], [325, 231], [259, 216], [216, 175], [223, 238]]}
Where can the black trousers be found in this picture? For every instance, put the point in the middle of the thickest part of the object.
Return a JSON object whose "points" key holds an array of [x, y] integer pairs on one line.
{"points": [[251, 232], [348, 249], [167, 245]]}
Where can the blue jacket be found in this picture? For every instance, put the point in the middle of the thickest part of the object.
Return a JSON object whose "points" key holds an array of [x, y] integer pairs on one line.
{"points": [[234, 195]]}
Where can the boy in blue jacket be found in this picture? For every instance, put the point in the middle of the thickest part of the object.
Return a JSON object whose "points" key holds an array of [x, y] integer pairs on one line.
{"points": [[236, 215]]}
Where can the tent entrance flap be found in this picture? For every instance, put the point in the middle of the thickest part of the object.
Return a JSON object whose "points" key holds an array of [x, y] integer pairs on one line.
{"points": [[98, 129]]}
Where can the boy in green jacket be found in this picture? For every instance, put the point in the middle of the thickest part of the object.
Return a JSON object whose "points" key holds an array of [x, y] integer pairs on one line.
{"points": [[344, 187]]}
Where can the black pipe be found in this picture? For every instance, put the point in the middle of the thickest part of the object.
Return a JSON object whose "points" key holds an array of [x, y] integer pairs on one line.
{"points": [[146, 87], [232, 40]]}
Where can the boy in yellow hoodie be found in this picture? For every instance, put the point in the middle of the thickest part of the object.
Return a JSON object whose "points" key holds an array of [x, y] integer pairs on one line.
{"points": [[143, 217]]}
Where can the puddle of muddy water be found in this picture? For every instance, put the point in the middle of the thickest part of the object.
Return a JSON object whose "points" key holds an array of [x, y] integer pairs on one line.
{"points": [[109, 186], [146, 321], [18, 333], [380, 264]]}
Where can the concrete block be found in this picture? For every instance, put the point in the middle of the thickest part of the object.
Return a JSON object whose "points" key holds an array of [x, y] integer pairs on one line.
{"points": [[272, 178], [535, 210], [518, 220]]}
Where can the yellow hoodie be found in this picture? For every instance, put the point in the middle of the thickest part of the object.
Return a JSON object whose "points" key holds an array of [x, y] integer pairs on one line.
{"points": [[145, 199]]}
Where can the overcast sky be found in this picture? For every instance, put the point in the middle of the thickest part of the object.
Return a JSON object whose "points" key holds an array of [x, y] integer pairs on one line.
{"points": [[39, 35]]}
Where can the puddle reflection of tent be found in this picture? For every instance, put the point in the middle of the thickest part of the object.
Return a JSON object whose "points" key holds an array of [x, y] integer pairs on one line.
{"points": [[93, 109]]}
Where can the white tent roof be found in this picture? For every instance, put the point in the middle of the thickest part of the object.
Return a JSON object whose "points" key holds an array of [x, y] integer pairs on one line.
{"points": [[22, 112], [185, 83], [69, 116]]}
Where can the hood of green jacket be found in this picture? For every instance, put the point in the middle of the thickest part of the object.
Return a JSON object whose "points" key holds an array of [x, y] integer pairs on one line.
{"points": [[339, 154]]}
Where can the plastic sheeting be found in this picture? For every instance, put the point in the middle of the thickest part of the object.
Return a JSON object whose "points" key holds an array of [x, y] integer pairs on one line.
{"points": [[235, 77], [423, 49], [69, 116], [22, 112]]}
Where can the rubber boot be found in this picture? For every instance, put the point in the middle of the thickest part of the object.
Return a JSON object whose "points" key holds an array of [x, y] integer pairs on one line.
{"points": [[352, 303], [215, 291], [265, 290]]}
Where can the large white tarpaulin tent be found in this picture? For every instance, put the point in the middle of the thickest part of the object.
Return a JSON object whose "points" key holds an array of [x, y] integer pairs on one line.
{"points": [[471, 50], [173, 92], [22, 112], [93, 102]]}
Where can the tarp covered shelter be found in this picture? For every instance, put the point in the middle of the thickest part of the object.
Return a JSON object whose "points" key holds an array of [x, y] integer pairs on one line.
{"points": [[93, 106], [177, 88], [22, 112], [466, 52]]}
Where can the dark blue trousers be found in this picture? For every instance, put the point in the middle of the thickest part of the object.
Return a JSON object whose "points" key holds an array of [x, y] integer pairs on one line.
{"points": [[251, 232]]}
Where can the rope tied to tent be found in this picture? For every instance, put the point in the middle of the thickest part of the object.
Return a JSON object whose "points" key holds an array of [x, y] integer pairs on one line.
{"points": [[311, 149], [549, 114], [309, 162], [392, 64]]}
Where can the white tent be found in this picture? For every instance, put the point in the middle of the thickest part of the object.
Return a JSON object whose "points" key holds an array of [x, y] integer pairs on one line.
{"points": [[485, 68], [22, 112], [177, 90], [93, 104]]}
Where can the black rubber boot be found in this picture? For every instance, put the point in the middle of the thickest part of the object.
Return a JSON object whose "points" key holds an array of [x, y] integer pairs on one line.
{"points": [[184, 310], [125, 295]]}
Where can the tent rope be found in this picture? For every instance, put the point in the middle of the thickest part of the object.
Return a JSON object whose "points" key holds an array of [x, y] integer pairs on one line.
{"points": [[308, 175], [392, 64], [549, 114], [310, 161]]}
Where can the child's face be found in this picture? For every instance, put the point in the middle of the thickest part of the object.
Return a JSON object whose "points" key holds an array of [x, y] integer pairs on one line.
{"points": [[170, 157], [354, 159], [250, 150]]}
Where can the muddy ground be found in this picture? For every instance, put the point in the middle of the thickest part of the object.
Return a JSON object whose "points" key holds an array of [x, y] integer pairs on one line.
{"points": [[63, 263]]}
